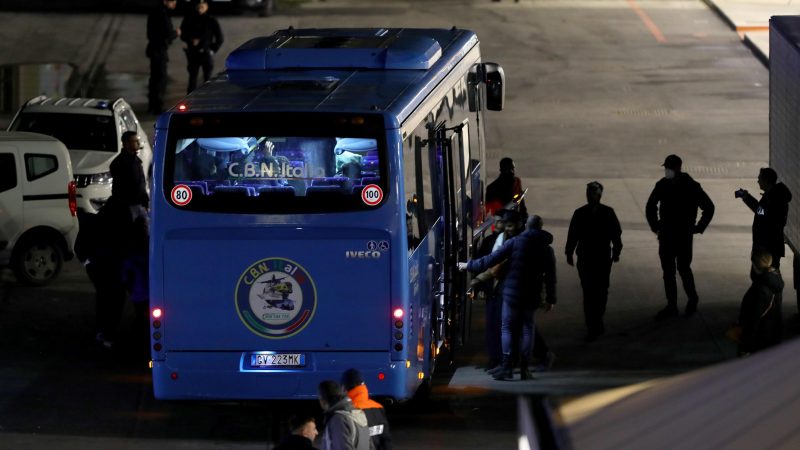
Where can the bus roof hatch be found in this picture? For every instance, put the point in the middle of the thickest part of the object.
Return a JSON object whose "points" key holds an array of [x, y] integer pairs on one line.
{"points": [[337, 49]]}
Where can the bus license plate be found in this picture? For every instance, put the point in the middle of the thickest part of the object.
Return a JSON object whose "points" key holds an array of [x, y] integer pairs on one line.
{"points": [[277, 360]]}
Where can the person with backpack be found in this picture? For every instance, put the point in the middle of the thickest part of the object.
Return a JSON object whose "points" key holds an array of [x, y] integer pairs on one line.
{"points": [[345, 426], [378, 423]]}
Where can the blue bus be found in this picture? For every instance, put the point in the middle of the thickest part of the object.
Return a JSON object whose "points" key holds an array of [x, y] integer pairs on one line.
{"points": [[308, 210]]}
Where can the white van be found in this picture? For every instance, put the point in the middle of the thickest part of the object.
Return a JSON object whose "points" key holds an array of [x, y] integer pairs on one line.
{"points": [[38, 206], [92, 130]]}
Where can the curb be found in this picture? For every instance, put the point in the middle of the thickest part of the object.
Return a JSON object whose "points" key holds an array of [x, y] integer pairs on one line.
{"points": [[739, 29], [756, 51]]}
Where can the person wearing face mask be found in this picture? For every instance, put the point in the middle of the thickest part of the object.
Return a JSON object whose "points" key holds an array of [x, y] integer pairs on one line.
{"points": [[759, 314], [671, 212]]}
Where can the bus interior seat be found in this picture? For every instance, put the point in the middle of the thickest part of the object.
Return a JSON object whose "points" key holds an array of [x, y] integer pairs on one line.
{"points": [[369, 180], [197, 187], [331, 181], [283, 191], [235, 191], [312, 191]]}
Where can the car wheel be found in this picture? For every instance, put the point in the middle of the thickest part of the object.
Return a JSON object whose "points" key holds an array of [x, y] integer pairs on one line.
{"points": [[37, 261]]}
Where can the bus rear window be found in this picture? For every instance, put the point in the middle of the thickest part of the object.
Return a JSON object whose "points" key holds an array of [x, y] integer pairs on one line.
{"points": [[276, 174]]}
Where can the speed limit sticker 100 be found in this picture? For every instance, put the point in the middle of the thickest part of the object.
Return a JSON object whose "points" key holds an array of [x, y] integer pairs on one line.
{"points": [[181, 195], [372, 194]]}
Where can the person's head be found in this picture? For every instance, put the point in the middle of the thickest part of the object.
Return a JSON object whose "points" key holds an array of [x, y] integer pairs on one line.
{"points": [[201, 7], [534, 223], [170, 4], [499, 223], [672, 166], [304, 426], [762, 260], [130, 142], [767, 177], [507, 165], [330, 392], [512, 220], [352, 378], [594, 191]]}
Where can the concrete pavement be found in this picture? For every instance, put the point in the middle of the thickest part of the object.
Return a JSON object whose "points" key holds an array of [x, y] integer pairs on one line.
{"points": [[750, 19]]}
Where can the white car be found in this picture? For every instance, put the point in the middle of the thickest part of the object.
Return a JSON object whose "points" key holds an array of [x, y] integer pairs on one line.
{"points": [[38, 206], [92, 130]]}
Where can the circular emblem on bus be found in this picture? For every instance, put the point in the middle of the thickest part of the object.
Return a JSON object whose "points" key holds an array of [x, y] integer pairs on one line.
{"points": [[372, 194], [276, 298], [181, 195]]}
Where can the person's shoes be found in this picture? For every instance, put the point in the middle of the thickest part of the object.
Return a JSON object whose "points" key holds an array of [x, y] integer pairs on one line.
{"points": [[691, 308], [495, 369], [667, 312], [591, 337], [547, 364], [104, 341], [524, 373], [505, 372], [491, 365]]}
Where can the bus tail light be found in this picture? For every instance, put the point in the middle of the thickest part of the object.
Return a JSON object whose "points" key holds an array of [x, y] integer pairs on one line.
{"points": [[157, 313], [381, 376], [397, 334]]}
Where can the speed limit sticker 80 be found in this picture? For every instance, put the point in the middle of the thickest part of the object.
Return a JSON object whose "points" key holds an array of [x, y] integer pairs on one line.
{"points": [[372, 194], [181, 195]]}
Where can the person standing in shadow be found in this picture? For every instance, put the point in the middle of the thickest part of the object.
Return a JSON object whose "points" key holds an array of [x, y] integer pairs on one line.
{"points": [[596, 234], [202, 36], [160, 34]]}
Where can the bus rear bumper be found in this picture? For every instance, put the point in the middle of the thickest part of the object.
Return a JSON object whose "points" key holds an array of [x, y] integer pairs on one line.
{"points": [[222, 375]]}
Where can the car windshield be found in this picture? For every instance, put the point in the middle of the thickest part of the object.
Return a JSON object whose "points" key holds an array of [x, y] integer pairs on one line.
{"points": [[76, 131]]}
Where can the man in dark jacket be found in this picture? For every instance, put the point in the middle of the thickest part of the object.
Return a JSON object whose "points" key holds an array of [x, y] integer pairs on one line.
{"points": [[531, 266], [505, 189], [595, 231], [671, 213], [771, 213], [126, 211], [378, 423], [304, 431], [203, 37], [129, 188], [160, 34]]}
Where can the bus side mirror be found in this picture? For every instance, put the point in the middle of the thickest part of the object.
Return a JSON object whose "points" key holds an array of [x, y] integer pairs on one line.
{"points": [[495, 80]]}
